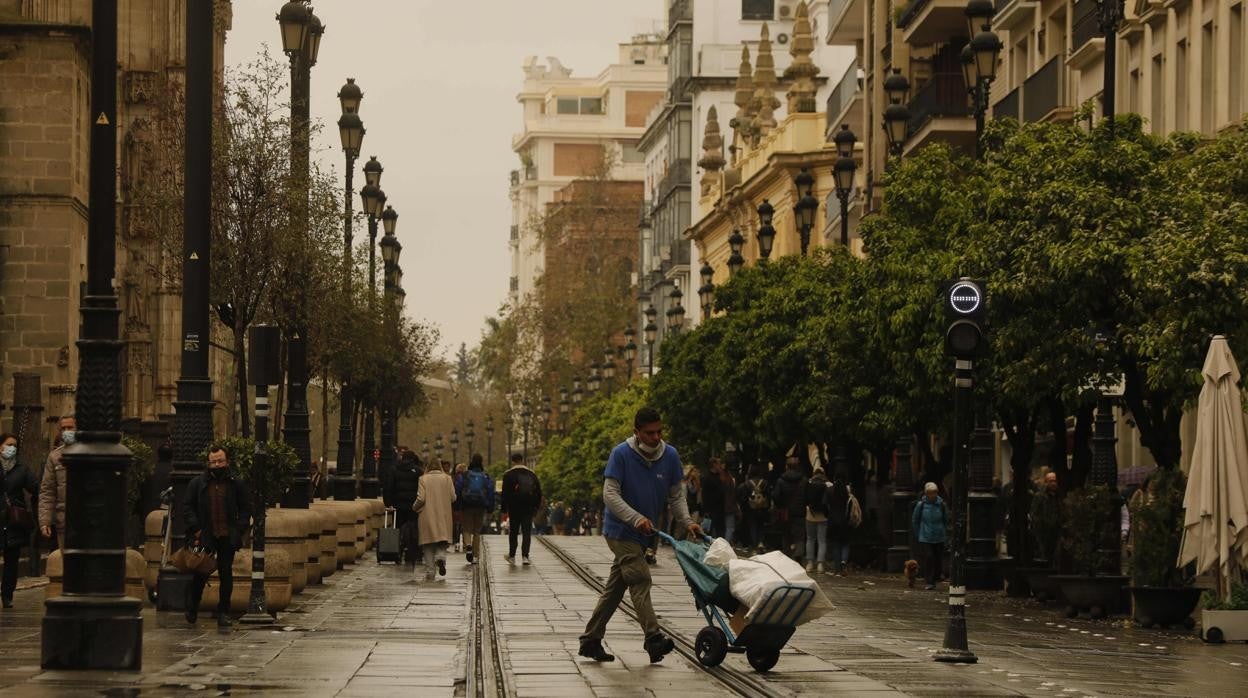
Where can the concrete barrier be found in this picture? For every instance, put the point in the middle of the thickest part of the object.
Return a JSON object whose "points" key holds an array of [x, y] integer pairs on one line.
{"points": [[327, 543], [277, 588], [136, 570], [286, 530]]}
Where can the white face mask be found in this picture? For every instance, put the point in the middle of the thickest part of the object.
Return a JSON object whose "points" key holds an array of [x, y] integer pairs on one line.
{"points": [[9, 452], [68, 437]]}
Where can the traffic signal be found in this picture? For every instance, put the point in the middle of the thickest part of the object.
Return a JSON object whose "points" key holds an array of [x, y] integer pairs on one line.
{"points": [[966, 308]]}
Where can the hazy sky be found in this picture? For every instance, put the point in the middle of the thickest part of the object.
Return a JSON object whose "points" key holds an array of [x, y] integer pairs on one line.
{"points": [[440, 80]]}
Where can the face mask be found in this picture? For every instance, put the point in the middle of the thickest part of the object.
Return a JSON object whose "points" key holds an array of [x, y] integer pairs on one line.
{"points": [[219, 473], [68, 437], [8, 452]]}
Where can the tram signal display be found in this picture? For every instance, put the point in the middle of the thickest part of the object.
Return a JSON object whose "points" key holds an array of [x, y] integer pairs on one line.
{"points": [[966, 309]]}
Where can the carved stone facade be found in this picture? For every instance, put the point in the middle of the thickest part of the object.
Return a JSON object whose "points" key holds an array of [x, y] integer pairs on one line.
{"points": [[44, 126]]}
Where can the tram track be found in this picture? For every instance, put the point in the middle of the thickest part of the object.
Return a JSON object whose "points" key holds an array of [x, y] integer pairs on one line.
{"points": [[737, 681], [487, 675]]}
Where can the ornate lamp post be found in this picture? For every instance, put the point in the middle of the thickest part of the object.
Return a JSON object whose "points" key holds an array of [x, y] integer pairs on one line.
{"points": [[489, 438], [706, 292], [424, 450], [630, 349], [372, 200], [979, 61], [301, 40], [546, 409], [351, 132], [526, 416], [736, 242], [391, 249], [564, 409], [455, 445], [608, 368], [843, 173], [577, 393], [471, 434], [806, 208], [766, 233], [676, 313], [896, 114], [595, 380], [1109, 15], [650, 333], [94, 625], [507, 429], [437, 446]]}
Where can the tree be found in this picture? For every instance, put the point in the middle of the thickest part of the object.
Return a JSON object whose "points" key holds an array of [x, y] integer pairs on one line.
{"points": [[571, 467]]}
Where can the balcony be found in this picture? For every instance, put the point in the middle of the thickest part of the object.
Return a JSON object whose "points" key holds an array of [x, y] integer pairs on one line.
{"points": [[845, 22], [926, 22], [1013, 13], [1043, 96], [678, 175], [845, 102], [941, 111], [1086, 42], [1008, 106], [679, 11]]}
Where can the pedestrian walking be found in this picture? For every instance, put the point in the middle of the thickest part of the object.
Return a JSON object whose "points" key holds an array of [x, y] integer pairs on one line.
{"points": [[475, 494], [400, 492], [693, 492], [929, 521], [642, 480], [217, 513], [844, 515], [755, 497], [719, 499], [433, 503], [790, 500], [816, 521], [52, 486], [16, 523], [457, 514], [522, 498], [1046, 520]]}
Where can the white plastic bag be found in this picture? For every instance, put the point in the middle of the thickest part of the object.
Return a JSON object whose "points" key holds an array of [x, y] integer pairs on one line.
{"points": [[752, 581], [720, 553]]}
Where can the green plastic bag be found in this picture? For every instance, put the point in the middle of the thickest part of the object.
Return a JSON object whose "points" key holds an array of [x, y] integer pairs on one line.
{"points": [[710, 583]]}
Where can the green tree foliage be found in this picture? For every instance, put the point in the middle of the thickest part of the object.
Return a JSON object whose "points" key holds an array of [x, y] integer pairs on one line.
{"points": [[1157, 530], [142, 465], [571, 466]]}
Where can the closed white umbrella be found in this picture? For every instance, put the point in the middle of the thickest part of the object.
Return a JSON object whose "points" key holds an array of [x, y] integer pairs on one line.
{"points": [[1215, 520]]}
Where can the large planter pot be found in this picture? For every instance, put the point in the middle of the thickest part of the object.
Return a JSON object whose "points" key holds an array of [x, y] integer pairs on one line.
{"points": [[1096, 596], [1221, 626], [1043, 586], [1165, 606]]}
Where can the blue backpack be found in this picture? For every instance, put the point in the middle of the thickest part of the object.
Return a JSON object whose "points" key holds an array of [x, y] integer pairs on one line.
{"points": [[476, 488]]}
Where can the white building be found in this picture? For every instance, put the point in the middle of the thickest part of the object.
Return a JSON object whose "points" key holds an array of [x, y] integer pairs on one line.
{"points": [[567, 123]]}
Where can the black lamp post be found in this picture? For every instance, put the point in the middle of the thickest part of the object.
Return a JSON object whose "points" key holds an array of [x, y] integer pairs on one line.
{"points": [[438, 447], [507, 428], [1109, 15], [526, 416], [489, 438], [979, 61], [608, 368], [351, 132], [766, 233], [736, 242], [391, 249], [455, 445], [564, 409], [372, 200], [706, 292], [471, 434], [650, 333], [546, 412], [578, 393], [595, 380], [301, 33], [630, 350], [94, 625], [676, 313], [896, 114], [843, 173], [424, 450], [806, 208]]}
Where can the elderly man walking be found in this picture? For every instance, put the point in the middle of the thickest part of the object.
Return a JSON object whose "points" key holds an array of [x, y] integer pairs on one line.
{"points": [[643, 479]]}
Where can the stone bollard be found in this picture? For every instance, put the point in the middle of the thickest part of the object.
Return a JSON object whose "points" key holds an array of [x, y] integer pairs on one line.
{"points": [[344, 515], [153, 541], [327, 543], [312, 544], [277, 589], [375, 523], [136, 571], [285, 531], [363, 510]]}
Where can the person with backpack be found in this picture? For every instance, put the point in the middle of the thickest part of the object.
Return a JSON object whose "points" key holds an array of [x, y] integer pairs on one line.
{"points": [[816, 521], [929, 522], [400, 492], [475, 494], [790, 501], [844, 515], [755, 497], [522, 497]]}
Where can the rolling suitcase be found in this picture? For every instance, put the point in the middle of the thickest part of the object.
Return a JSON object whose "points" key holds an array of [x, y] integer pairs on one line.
{"points": [[388, 545]]}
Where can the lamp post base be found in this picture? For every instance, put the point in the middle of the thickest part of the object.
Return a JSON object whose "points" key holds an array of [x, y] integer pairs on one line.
{"points": [[370, 488], [82, 632], [344, 489], [956, 657]]}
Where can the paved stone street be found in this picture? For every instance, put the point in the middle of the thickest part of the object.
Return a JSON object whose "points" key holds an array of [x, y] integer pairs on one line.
{"points": [[370, 630]]}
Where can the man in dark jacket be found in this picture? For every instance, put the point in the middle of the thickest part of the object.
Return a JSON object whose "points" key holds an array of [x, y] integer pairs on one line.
{"points": [[790, 500], [522, 495], [400, 492], [217, 514]]}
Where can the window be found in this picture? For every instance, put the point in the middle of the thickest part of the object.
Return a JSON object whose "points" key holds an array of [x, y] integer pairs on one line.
{"points": [[630, 154], [591, 105], [568, 105], [758, 9], [1157, 85], [1208, 78]]}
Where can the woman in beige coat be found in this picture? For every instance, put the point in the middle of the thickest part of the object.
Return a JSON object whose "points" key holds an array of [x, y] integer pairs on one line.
{"points": [[433, 504]]}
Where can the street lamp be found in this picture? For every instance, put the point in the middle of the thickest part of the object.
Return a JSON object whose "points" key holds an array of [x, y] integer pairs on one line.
{"points": [[489, 438], [706, 292], [438, 446], [979, 62], [843, 173], [1109, 15], [546, 410], [471, 434], [564, 409], [455, 445], [736, 242], [595, 380], [526, 414], [577, 393], [630, 349], [766, 233], [372, 173], [608, 367], [806, 208], [351, 132], [676, 313], [650, 333], [896, 114], [424, 449], [390, 251]]}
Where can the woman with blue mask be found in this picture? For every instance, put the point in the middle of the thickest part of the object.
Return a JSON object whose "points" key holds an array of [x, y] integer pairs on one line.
{"points": [[52, 488], [15, 516]]}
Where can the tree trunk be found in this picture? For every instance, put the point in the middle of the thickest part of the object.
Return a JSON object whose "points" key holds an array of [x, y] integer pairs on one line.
{"points": [[1157, 423], [240, 375], [1020, 430]]}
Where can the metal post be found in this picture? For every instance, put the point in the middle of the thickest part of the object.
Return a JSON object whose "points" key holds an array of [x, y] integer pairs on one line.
{"points": [[1105, 473], [955, 648], [980, 95], [982, 562], [94, 625], [903, 505], [1110, 13], [344, 473], [845, 220], [257, 609], [369, 488]]}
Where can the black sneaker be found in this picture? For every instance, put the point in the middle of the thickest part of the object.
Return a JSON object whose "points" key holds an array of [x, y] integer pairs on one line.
{"points": [[658, 646], [651, 559], [223, 621], [468, 556], [593, 650], [7, 603], [192, 616], [442, 567]]}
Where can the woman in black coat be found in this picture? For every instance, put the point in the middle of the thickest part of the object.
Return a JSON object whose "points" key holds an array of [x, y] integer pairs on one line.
{"points": [[18, 482]]}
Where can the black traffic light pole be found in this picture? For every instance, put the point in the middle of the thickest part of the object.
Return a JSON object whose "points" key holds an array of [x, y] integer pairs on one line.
{"points": [[263, 370]]}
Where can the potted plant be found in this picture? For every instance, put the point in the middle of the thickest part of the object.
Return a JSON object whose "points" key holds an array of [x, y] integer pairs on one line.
{"points": [[1090, 541], [1162, 594], [1225, 619]]}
